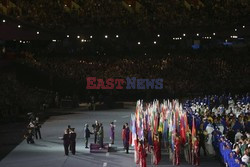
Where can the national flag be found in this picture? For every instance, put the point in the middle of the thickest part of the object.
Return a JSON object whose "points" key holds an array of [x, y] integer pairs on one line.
{"points": [[193, 130]]}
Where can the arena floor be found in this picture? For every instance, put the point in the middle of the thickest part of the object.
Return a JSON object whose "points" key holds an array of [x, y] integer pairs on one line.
{"points": [[48, 152]]}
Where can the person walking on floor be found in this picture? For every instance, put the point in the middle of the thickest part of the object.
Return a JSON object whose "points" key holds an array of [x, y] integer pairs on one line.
{"points": [[127, 137], [72, 139], [87, 134], [66, 142]]}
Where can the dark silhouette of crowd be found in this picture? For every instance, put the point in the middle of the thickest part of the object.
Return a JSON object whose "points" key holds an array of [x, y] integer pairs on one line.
{"points": [[141, 15]]}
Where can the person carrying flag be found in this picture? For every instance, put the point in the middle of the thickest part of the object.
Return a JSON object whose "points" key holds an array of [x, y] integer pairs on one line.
{"points": [[177, 150], [157, 149], [196, 152], [142, 154]]}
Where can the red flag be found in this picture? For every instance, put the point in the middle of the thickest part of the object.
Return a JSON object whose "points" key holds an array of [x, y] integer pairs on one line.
{"points": [[182, 130]]}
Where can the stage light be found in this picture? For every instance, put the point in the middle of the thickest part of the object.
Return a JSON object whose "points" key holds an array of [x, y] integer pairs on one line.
{"points": [[67, 36], [91, 36], [3, 21], [243, 26], [184, 35], [20, 41], [214, 34], [19, 26], [78, 36], [158, 35], [106, 36], [53, 40], [138, 43], [37, 32], [82, 40], [154, 42], [180, 38], [117, 36], [197, 34]]}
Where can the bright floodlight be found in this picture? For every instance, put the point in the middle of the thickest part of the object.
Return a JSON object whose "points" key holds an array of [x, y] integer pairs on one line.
{"points": [[154, 42], [138, 43], [158, 35], [214, 33], [243, 26], [184, 35], [197, 34], [129, 5], [67, 36], [19, 26], [82, 40], [3, 21], [37, 32], [91, 36], [106, 36], [78, 36], [117, 36], [235, 29]]}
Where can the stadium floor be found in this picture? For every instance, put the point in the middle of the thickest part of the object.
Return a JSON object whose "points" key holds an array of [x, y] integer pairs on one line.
{"points": [[48, 152]]}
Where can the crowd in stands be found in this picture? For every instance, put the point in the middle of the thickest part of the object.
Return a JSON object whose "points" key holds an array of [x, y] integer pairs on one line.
{"points": [[182, 73], [224, 121], [149, 15]]}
